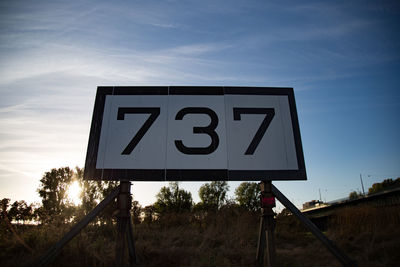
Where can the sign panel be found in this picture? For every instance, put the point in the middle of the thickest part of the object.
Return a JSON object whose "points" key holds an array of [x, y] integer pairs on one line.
{"points": [[195, 134]]}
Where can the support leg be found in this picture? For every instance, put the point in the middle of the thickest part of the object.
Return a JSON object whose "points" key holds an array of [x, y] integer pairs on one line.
{"points": [[131, 245], [123, 216], [267, 227], [270, 234], [261, 244], [120, 246]]}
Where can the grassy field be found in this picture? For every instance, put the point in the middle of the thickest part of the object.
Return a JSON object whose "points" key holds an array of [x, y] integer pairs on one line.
{"points": [[369, 235]]}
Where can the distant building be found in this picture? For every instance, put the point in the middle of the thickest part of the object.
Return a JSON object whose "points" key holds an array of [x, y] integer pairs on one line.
{"points": [[312, 204]]}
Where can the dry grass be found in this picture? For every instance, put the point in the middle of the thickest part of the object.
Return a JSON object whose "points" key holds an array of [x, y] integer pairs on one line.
{"points": [[369, 235]]}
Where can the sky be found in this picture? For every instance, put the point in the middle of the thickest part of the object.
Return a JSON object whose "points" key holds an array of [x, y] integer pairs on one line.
{"points": [[341, 57]]}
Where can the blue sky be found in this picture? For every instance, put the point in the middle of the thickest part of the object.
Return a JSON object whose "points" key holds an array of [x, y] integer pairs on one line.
{"points": [[341, 57]]}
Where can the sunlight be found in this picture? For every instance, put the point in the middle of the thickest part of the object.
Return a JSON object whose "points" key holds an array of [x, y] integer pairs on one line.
{"points": [[73, 193]]}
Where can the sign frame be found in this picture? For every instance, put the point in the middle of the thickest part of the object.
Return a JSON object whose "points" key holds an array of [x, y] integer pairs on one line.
{"points": [[92, 173]]}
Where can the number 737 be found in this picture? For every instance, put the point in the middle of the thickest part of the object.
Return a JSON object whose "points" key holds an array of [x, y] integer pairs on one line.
{"points": [[209, 130]]}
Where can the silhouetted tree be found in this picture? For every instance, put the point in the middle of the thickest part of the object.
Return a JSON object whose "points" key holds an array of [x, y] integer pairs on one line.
{"points": [[91, 192], [173, 199], [52, 190], [248, 196], [148, 213], [387, 184], [5, 203], [136, 212], [284, 212], [105, 188], [355, 195], [17, 211], [13, 213], [213, 195]]}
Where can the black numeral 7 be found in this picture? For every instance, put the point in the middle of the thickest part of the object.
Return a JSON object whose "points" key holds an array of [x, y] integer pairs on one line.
{"points": [[154, 113], [269, 115]]}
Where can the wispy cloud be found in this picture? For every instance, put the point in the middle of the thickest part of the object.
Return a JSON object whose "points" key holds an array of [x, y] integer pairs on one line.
{"points": [[197, 49]]}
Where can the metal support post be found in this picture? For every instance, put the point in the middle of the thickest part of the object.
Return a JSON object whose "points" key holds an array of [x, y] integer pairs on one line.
{"points": [[131, 244], [124, 225], [261, 244], [266, 238]]}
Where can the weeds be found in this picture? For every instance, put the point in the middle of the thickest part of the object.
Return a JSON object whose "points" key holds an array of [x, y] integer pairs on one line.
{"points": [[224, 238]]}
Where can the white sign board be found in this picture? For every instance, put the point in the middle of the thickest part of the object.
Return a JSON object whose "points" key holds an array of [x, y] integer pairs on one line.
{"points": [[195, 134]]}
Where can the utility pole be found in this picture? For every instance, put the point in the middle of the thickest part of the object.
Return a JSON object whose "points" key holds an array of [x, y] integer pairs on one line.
{"points": [[362, 184], [320, 198]]}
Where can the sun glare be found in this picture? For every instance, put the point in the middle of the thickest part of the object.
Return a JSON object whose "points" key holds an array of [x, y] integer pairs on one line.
{"points": [[73, 193]]}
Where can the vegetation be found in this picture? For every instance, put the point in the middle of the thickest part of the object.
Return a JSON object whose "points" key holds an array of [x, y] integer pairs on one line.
{"points": [[175, 232], [387, 184], [213, 195], [19, 211], [248, 196], [355, 195], [53, 190], [173, 199]]}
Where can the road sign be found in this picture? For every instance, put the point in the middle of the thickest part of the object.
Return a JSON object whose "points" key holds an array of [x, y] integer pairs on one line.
{"points": [[195, 134]]}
